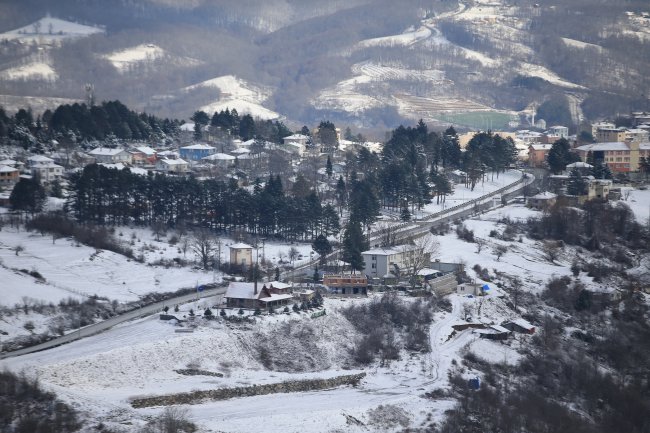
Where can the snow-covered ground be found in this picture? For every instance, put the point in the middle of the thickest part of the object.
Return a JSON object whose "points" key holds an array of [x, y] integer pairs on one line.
{"points": [[34, 70], [100, 374], [639, 202], [127, 57], [239, 94]]}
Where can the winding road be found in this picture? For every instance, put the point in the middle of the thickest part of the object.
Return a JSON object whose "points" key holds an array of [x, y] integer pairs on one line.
{"points": [[96, 328]]}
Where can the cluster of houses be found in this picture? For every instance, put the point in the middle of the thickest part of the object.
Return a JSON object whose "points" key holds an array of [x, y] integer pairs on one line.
{"points": [[620, 148]]}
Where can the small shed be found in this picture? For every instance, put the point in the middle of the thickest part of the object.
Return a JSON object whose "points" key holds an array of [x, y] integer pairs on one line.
{"points": [[494, 332], [520, 325]]}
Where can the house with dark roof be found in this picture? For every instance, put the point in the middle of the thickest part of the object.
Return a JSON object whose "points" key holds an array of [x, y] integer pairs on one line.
{"points": [[251, 296]]}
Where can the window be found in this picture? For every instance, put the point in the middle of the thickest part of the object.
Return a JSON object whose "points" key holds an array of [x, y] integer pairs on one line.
{"points": [[374, 258], [374, 266]]}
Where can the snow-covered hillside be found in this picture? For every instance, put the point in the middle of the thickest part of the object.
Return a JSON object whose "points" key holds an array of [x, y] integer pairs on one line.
{"points": [[237, 94], [100, 374], [49, 29], [34, 70]]}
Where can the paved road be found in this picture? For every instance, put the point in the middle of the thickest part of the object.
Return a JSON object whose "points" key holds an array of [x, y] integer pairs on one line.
{"points": [[109, 323], [418, 228]]}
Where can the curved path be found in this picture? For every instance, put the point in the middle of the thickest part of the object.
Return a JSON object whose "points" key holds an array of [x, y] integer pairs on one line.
{"points": [[96, 328]]}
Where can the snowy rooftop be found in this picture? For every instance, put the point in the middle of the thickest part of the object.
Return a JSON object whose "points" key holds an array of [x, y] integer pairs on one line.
{"points": [[546, 195], [146, 150], [388, 251], [522, 323], [541, 146], [106, 151], [7, 169], [219, 157], [240, 246], [579, 164], [177, 161], [198, 147], [296, 137], [617, 145]]}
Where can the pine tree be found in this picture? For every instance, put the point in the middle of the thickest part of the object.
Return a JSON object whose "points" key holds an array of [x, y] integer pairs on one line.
{"points": [[354, 243], [576, 185], [405, 215], [328, 167]]}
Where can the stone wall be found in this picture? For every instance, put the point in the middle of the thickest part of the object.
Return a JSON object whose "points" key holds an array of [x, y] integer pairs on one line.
{"points": [[197, 397]]}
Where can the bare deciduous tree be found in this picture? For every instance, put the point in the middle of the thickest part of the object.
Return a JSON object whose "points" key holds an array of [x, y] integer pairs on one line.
{"points": [[203, 244], [417, 256], [480, 244], [500, 250]]}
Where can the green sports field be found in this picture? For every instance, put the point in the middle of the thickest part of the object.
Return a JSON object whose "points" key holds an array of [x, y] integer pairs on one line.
{"points": [[478, 119]]}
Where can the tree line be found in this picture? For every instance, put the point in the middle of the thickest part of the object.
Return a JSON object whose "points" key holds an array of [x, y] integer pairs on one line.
{"points": [[76, 123], [109, 196]]}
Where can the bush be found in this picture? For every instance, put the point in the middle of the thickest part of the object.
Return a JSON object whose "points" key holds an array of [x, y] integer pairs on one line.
{"points": [[464, 233], [379, 321]]}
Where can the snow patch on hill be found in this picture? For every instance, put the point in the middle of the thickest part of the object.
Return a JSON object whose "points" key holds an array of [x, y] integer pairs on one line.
{"points": [[50, 30], [405, 39], [237, 94], [30, 71], [546, 74], [123, 59]]}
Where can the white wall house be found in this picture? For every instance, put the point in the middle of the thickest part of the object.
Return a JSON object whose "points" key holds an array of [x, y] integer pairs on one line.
{"points": [[381, 261], [172, 165], [111, 156], [47, 172]]}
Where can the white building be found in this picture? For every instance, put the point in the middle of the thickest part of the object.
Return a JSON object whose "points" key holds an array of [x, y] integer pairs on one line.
{"points": [[111, 156], [47, 172], [379, 262], [559, 131], [172, 165]]}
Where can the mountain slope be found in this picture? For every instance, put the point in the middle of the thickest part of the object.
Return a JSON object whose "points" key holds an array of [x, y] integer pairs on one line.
{"points": [[371, 62]]}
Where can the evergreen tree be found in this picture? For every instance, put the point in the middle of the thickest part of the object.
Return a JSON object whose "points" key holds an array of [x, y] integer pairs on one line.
{"points": [[27, 195], [328, 167], [560, 155], [405, 215], [354, 243], [327, 134], [322, 247], [577, 184]]}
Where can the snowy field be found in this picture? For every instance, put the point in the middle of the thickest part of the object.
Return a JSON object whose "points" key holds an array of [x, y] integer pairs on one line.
{"points": [[100, 374]]}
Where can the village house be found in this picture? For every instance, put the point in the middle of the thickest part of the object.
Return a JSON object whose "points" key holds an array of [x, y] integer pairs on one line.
{"points": [[537, 154], [438, 282], [47, 172], [196, 152], [378, 262], [519, 325], [220, 160], [12, 163], [299, 139], [143, 155], [35, 160], [252, 296], [583, 168], [346, 284], [8, 175], [542, 201], [111, 156], [177, 165], [558, 131], [241, 254], [619, 156], [494, 332]]}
